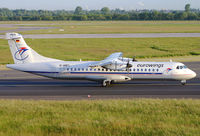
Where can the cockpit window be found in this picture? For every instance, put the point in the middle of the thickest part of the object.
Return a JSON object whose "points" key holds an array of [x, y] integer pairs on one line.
{"points": [[184, 66], [181, 67]]}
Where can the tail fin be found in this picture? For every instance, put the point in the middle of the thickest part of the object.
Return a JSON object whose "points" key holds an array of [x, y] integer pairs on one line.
{"points": [[21, 52]]}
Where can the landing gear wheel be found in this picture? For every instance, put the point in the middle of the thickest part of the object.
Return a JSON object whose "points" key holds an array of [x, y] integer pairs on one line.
{"points": [[183, 82], [106, 83]]}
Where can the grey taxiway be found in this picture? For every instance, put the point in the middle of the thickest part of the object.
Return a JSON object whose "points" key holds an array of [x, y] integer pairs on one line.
{"points": [[130, 35], [19, 85], [27, 27]]}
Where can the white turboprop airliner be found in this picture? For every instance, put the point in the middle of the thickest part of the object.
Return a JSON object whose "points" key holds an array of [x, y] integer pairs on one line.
{"points": [[113, 69]]}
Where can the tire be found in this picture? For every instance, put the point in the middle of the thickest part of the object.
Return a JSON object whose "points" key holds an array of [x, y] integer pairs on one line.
{"points": [[183, 82], [106, 83]]}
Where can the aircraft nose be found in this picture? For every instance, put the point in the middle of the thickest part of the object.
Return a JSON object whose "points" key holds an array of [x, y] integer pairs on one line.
{"points": [[193, 74]]}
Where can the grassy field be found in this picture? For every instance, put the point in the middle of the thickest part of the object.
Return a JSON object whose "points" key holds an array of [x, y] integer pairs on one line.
{"points": [[109, 117], [6, 28], [97, 49], [97, 27]]}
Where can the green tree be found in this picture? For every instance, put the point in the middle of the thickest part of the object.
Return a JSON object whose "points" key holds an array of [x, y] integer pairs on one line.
{"points": [[84, 17], [144, 16], [78, 10], [103, 14], [183, 16], [192, 16], [108, 17], [105, 10], [154, 15], [169, 16], [187, 7]]}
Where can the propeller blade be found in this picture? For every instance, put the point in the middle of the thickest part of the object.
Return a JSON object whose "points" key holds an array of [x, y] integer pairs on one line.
{"points": [[134, 58], [128, 65]]}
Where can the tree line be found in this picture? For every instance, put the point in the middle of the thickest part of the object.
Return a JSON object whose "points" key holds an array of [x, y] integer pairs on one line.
{"points": [[104, 14]]}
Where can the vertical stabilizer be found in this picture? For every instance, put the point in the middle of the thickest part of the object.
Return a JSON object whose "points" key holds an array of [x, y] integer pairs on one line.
{"points": [[21, 52]]}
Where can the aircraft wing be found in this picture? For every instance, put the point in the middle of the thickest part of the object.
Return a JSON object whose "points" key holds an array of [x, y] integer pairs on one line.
{"points": [[109, 60]]}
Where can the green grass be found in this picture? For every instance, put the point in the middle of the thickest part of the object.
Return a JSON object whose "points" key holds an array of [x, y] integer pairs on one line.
{"points": [[7, 28], [97, 49], [97, 27], [96, 117]]}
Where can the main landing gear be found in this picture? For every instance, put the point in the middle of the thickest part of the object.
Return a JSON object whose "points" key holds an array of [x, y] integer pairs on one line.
{"points": [[106, 83], [183, 82]]}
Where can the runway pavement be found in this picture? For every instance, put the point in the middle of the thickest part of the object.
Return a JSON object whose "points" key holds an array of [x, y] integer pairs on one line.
{"points": [[130, 35], [27, 27], [19, 85], [21, 28], [56, 89]]}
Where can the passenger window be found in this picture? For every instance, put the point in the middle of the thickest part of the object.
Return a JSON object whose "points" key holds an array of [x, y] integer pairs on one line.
{"points": [[78, 69], [149, 69], [133, 69], [157, 70], [145, 69], [177, 67], [153, 70], [141, 69], [82, 69], [138, 70], [102, 69], [99, 69]]}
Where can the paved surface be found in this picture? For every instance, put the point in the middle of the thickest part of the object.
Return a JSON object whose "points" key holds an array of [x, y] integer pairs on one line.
{"points": [[131, 35], [56, 89], [20, 28], [19, 85], [26, 27]]}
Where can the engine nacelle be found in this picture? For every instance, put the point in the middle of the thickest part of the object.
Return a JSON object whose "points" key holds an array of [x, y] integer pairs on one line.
{"points": [[125, 59], [117, 78], [116, 65]]}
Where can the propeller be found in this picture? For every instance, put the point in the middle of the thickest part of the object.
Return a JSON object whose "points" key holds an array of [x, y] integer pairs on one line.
{"points": [[134, 58], [128, 65]]}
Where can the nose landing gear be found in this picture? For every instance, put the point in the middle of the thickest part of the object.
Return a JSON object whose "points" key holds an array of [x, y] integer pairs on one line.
{"points": [[183, 82]]}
